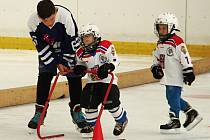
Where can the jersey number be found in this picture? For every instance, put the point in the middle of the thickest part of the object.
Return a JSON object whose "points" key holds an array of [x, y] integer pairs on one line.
{"points": [[187, 59], [75, 43], [162, 60]]}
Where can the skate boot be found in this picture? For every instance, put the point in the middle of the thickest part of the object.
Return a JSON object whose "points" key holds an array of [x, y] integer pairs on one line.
{"points": [[34, 121], [173, 126], [120, 127], [87, 131], [78, 117], [192, 119]]}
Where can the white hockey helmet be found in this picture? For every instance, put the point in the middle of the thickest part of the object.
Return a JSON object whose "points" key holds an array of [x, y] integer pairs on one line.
{"points": [[90, 29], [168, 19], [93, 30]]}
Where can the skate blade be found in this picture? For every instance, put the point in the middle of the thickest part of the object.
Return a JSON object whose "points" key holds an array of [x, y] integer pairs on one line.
{"points": [[170, 131], [77, 128], [34, 131], [31, 131], [87, 135], [197, 120]]}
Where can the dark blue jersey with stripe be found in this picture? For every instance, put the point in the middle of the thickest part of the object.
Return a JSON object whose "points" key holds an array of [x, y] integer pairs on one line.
{"points": [[55, 45]]}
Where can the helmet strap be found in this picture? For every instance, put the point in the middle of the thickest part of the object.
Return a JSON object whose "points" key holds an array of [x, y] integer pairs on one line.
{"points": [[174, 29]]}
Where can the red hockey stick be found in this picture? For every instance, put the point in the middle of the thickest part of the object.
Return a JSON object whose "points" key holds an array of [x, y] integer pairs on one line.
{"points": [[44, 111], [46, 105], [98, 134]]}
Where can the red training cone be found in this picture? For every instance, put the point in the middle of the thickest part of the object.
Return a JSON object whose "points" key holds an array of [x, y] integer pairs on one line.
{"points": [[98, 134]]}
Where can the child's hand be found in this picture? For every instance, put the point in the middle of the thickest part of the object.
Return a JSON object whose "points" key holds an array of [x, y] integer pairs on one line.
{"points": [[189, 76], [80, 70], [157, 71], [104, 70]]}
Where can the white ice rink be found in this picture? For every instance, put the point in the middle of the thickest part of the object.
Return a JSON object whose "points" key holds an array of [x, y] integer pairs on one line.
{"points": [[146, 105]]}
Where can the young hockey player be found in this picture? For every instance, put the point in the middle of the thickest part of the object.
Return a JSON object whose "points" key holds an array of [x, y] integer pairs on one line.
{"points": [[55, 34], [172, 64], [99, 55]]}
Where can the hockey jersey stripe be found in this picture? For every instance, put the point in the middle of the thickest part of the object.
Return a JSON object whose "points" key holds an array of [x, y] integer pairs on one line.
{"points": [[69, 55], [68, 60], [103, 48], [169, 43], [171, 40], [48, 61], [46, 56], [99, 50], [86, 56], [44, 50], [79, 52]]}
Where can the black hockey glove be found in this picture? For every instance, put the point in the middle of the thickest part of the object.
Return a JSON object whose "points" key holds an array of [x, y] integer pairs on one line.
{"points": [[188, 75], [104, 70], [80, 70], [157, 71]]}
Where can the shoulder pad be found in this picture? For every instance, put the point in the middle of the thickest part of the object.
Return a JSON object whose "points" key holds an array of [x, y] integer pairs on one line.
{"points": [[105, 43], [176, 39]]}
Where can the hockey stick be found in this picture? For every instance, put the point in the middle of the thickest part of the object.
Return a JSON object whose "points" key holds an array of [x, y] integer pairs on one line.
{"points": [[98, 134], [44, 111]]}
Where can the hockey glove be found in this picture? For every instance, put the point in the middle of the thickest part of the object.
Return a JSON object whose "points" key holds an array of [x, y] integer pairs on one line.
{"points": [[104, 70], [188, 75], [80, 70], [157, 71]]}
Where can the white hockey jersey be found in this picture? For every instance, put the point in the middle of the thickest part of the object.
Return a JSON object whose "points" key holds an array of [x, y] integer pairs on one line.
{"points": [[172, 55], [105, 53]]}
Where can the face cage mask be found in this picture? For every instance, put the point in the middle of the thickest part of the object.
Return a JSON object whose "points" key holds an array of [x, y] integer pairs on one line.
{"points": [[167, 36], [92, 47]]}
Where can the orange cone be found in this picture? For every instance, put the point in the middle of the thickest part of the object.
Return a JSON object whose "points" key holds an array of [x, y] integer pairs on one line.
{"points": [[98, 134]]}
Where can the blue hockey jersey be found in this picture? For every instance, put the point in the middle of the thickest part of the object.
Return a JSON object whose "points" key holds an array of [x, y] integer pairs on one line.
{"points": [[55, 45]]}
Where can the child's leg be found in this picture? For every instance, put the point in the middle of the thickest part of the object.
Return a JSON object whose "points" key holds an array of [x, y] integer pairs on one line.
{"points": [[176, 104], [173, 95], [116, 110], [90, 101], [113, 104], [192, 116], [91, 116], [119, 114], [184, 104]]}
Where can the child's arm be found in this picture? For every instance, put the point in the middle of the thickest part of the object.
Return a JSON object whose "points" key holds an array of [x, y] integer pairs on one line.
{"points": [[156, 68], [80, 66], [184, 56], [186, 62], [112, 60], [156, 57], [112, 56]]}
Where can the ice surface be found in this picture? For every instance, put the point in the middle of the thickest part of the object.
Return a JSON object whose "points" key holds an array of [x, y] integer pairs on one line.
{"points": [[146, 105]]}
